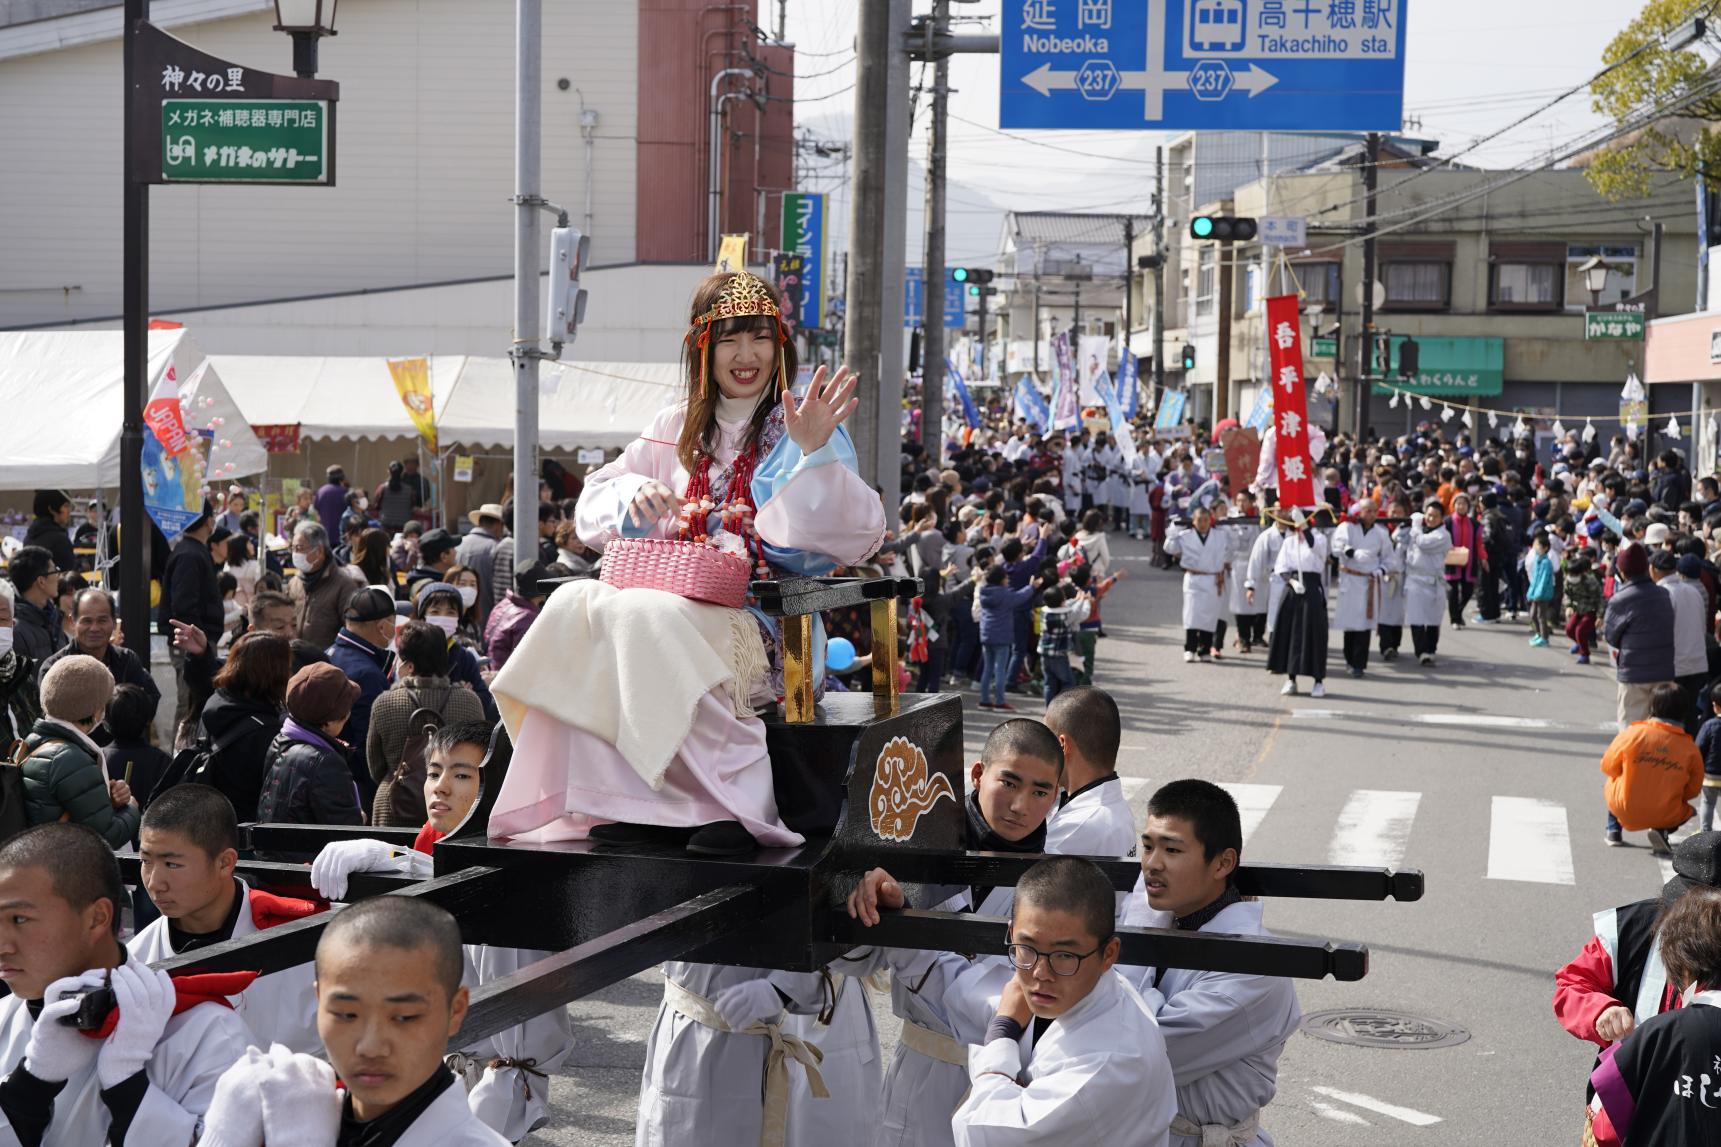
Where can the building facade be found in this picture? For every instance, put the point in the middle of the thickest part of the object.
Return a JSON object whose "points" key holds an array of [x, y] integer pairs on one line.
{"points": [[425, 165]]}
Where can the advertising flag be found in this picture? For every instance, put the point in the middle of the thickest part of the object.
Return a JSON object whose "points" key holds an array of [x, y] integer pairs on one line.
{"points": [[1128, 384], [412, 381], [953, 379], [1031, 405], [1066, 403]]}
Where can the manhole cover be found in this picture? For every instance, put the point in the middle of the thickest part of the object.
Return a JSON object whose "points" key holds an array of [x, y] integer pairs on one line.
{"points": [[1362, 1027]]}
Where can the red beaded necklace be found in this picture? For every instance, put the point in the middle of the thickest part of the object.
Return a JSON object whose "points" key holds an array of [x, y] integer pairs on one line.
{"points": [[735, 515]]}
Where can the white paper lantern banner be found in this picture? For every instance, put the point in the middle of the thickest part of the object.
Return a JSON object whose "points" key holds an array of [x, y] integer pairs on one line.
{"points": [[1427, 403], [1445, 413], [1631, 431], [1521, 429], [1468, 424], [1493, 421], [1589, 431], [1559, 430], [1672, 430], [1392, 403]]}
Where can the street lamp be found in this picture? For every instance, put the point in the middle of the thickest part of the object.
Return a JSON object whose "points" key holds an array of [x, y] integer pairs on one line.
{"points": [[307, 21], [1595, 274]]}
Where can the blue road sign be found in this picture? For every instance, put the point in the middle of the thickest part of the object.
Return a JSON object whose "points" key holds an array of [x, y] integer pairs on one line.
{"points": [[914, 300], [1250, 65]]}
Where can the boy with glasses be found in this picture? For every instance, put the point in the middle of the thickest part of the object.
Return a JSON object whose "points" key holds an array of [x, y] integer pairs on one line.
{"points": [[1072, 1052]]}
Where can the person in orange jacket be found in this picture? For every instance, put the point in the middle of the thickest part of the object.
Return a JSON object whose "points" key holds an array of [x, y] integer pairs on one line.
{"points": [[1654, 770]]}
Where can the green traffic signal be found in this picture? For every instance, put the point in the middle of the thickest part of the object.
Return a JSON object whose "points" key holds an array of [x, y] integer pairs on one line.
{"points": [[972, 289], [960, 274], [1201, 226]]}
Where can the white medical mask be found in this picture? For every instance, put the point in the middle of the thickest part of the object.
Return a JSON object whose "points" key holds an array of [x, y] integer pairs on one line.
{"points": [[5, 641], [443, 622], [468, 596], [302, 563], [364, 503]]}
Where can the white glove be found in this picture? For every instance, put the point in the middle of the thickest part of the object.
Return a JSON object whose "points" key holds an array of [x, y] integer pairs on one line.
{"points": [[1416, 520], [337, 861], [235, 1115], [1296, 585], [56, 1052], [742, 1005], [1599, 500], [145, 996], [301, 1107]]}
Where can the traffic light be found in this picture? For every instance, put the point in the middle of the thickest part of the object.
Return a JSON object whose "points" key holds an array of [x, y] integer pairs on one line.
{"points": [[914, 352], [1409, 358], [567, 302], [976, 279], [1188, 357], [1222, 228]]}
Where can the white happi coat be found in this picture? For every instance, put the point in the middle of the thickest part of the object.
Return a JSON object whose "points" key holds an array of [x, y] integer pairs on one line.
{"points": [[700, 1082], [1095, 822], [1222, 1031], [1205, 560], [1263, 557], [448, 1122], [1425, 575], [1391, 610], [1244, 533], [509, 1100], [1116, 483], [278, 1008], [1075, 472], [1360, 584], [195, 1048], [853, 1070], [1142, 473], [1100, 1074]]}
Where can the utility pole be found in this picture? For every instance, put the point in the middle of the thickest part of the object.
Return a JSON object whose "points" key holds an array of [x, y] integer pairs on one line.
{"points": [[937, 154], [1224, 268], [1365, 344], [528, 93], [135, 532], [877, 238], [1128, 286], [1159, 272]]}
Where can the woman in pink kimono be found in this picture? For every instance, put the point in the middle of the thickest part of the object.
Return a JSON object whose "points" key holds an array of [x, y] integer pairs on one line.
{"points": [[632, 710]]}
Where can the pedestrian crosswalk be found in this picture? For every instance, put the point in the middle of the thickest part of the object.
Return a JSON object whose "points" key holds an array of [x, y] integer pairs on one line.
{"points": [[1529, 839]]}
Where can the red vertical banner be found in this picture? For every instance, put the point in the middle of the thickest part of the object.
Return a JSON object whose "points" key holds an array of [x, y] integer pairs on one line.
{"points": [[1290, 402]]}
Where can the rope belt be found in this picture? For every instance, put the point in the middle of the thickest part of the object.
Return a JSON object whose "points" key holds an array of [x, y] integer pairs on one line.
{"points": [[1218, 1134], [933, 1045], [783, 1049], [1373, 587]]}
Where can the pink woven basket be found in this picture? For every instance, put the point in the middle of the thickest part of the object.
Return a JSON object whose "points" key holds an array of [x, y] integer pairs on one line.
{"points": [[691, 569]]}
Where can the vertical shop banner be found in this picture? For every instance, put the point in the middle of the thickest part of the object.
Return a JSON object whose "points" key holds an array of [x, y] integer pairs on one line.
{"points": [[732, 253], [1066, 402], [172, 485], [412, 381], [804, 234], [1171, 406], [790, 272], [1128, 384], [954, 382], [1290, 402]]}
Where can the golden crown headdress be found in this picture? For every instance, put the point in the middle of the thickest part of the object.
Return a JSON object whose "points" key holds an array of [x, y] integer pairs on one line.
{"points": [[745, 295]]}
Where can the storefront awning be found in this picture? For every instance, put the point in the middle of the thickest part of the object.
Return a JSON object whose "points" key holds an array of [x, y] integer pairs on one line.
{"points": [[1453, 367]]}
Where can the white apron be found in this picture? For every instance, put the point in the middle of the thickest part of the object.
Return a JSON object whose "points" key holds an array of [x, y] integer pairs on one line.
{"points": [[1204, 562], [1360, 579]]}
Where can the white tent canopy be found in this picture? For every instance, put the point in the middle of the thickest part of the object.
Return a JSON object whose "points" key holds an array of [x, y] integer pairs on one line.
{"points": [[580, 404], [63, 397]]}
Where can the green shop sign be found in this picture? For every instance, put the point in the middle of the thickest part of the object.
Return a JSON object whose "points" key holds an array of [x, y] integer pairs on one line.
{"points": [[244, 141], [1323, 348], [1613, 325], [1451, 367]]}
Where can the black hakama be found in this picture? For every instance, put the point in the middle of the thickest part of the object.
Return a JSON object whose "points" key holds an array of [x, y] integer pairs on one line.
{"points": [[1299, 646]]}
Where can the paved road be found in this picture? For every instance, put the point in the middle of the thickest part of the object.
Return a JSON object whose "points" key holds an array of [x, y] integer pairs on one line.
{"points": [[1482, 772]]}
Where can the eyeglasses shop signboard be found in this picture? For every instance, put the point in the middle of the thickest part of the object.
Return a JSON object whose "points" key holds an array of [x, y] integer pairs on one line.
{"points": [[1447, 367]]}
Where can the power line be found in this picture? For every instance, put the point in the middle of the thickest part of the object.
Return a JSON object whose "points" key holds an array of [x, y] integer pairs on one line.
{"points": [[1048, 146]]}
